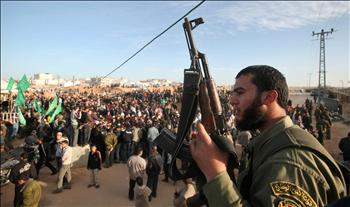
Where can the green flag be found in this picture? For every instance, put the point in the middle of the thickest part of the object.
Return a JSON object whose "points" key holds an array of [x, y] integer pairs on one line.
{"points": [[23, 84], [56, 112], [21, 118], [20, 99], [52, 106], [42, 107], [10, 84], [37, 108]]}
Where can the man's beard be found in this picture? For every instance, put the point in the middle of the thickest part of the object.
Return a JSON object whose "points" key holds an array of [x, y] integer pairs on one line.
{"points": [[252, 118]]}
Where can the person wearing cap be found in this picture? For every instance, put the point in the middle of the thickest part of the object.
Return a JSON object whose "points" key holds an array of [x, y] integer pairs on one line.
{"points": [[58, 150], [66, 165], [59, 153]]}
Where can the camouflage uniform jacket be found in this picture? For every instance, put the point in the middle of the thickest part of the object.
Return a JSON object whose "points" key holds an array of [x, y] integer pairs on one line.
{"points": [[31, 193], [110, 140], [293, 176]]}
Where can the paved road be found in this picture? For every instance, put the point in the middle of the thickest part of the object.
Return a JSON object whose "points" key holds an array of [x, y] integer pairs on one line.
{"points": [[114, 183]]}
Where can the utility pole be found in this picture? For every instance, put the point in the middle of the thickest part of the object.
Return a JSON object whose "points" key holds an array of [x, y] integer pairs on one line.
{"points": [[322, 64]]}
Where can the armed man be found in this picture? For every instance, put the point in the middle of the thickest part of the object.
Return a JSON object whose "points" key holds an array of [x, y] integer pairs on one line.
{"points": [[287, 165]]}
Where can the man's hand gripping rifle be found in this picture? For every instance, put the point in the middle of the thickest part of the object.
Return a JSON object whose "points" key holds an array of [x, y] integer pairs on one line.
{"points": [[198, 88]]}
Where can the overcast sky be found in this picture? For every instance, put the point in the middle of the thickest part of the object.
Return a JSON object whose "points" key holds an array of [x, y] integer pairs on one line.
{"points": [[88, 39]]}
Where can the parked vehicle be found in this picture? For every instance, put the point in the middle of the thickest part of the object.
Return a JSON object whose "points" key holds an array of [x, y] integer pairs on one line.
{"points": [[7, 165]]}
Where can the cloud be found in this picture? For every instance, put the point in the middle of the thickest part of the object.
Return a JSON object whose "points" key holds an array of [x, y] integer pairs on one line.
{"points": [[280, 15]]}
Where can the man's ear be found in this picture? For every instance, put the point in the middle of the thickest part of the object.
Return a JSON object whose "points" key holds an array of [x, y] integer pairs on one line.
{"points": [[268, 97]]}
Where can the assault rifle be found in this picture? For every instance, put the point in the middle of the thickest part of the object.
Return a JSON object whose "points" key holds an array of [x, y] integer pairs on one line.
{"points": [[198, 89]]}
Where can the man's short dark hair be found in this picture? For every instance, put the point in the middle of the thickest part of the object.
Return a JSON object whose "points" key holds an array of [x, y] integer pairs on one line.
{"points": [[24, 176], [138, 150], [268, 78]]}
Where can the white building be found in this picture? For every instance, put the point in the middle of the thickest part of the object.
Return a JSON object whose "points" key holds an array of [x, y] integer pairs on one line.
{"points": [[71, 83], [109, 81], [44, 76], [157, 82], [42, 79]]}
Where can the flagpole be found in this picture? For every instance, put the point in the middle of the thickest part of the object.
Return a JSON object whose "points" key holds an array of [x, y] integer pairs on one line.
{"points": [[10, 101]]}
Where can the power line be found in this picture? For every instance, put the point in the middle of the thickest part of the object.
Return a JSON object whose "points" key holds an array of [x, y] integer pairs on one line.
{"points": [[156, 37]]}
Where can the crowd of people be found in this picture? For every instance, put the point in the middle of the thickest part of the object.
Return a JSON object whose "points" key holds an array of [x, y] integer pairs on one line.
{"points": [[119, 128], [116, 127]]}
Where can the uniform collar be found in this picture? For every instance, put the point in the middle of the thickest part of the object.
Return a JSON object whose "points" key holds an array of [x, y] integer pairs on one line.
{"points": [[257, 142], [26, 184]]}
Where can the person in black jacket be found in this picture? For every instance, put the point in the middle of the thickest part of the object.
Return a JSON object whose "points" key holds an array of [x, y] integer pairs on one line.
{"points": [[97, 139], [44, 152], [94, 165], [153, 168], [344, 146]]}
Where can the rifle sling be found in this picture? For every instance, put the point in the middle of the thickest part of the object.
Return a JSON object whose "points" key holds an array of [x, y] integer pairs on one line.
{"points": [[188, 111]]}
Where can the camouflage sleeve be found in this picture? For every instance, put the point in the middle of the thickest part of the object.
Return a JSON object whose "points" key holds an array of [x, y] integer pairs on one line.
{"points": [[222, 192], [32, 194], [289, 178]]}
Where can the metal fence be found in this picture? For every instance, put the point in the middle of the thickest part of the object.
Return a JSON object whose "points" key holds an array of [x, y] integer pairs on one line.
{"points": [[10, 117]]}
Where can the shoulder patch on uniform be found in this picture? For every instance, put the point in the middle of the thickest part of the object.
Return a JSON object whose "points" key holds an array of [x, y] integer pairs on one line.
{"points": [[291, 194], [288, 203]]}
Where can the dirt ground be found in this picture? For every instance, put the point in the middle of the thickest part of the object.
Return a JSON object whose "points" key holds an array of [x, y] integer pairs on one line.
{"points": [[339, 130], [114, 183]]}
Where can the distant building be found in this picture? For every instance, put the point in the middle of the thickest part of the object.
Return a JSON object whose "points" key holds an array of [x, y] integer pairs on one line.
{"points": [[47, 79], [157, 82], [44, 76], [71, 83], [109, 81]]}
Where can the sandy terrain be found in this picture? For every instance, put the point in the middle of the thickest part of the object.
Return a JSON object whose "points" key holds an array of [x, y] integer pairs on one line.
{"points": [[113, 191]]}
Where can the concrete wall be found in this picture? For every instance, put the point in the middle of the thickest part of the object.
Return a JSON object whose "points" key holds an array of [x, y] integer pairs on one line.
{"points": [[80, 156]]}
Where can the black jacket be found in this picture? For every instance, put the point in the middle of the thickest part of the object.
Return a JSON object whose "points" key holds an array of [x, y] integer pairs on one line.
{"points": [[23, 167], [344, 146], [94, 161]]}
